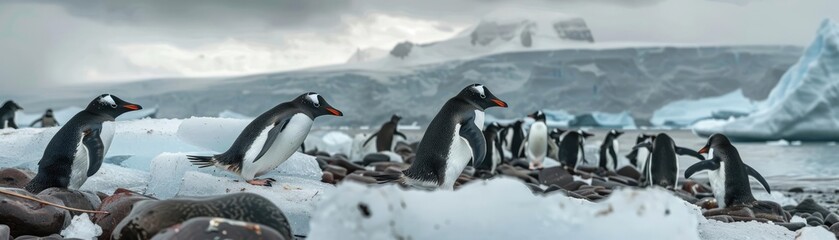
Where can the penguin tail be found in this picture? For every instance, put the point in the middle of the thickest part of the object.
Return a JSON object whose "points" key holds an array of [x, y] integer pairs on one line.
{"points": [[386, 177], [202, 161]]}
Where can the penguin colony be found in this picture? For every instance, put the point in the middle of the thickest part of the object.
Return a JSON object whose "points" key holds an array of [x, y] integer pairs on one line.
{"points": [[455, 142]]}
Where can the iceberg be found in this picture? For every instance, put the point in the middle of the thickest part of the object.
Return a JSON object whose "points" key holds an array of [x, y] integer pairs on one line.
{"points": [[622, 120], [687, 112], [803, 105]]}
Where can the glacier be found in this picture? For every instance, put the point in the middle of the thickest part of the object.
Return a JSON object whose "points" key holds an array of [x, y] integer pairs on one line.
{"points": [[804, 105], [687, 112]]}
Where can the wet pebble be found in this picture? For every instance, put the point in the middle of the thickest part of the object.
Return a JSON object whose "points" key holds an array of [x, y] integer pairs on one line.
{"points": [[14, 178], [374, 158], [793, 226], [831, 219], [350, 167], [118, 206], [327, 177], [796, 190], [360, 179], [73, 198], [722, 218], [49, 237], [337, 171], [630, 172], [26, 217], [810, 206], [814, 221], [218, 228], [835, 230]]}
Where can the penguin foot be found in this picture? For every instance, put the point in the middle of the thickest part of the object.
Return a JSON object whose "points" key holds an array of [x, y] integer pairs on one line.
{"points": [[262, 182]]}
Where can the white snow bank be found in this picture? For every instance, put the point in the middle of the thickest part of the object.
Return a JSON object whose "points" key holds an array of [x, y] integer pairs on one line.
{"points": [[814, 233], [716, 230], [502, 208], [232, 114], [168, 170], [110, 177], [24, 119], [82, 228], [686, 112], [331, 142], [296, 197], [803, 104]]}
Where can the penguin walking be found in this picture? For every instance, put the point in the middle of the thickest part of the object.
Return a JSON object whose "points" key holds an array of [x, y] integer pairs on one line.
{"points": [[537, 140], [78, 148], [662, 167], [517, 139], [450, 141], [270, 139], [572, 151], [493, 155], [609, 151], [728, 175], [384, 137], [7, 114], [48, 120]]}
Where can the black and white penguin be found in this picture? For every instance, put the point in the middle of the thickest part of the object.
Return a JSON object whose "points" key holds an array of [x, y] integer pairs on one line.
{"points": [[609, 150], [517, 139], [493, 152], [7, 114], [48, 120], [270, 138], [384, 137], [537, 140], [662, 167], [572, 150], [454, 137], [640, 153], [555, 136], [78, 148], [728, 174]]}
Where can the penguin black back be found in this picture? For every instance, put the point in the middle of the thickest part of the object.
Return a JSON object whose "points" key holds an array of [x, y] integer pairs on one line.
{"points": [[517, 144], [7, 114], [608, 150], [385, 135], [571, 149], [726, 158]]}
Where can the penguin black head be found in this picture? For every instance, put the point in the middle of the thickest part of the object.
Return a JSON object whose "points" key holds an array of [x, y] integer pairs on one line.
{"points": [[12, 105], [49, 112], [716, 141], [539, 116], [481, 97], [313, 104], [111, 105], [615, 133], [556, 132], [585, 134], [395, 118]]}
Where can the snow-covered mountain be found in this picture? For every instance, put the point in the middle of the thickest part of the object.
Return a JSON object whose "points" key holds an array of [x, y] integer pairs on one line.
{"points": [[367, 54]]}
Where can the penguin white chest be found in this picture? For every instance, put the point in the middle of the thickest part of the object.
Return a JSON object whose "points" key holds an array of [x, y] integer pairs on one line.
{"points": [[287, 142], [460, 153], [537, 141], [641, 158], [107, 136], [717, 179], [81, 163]]}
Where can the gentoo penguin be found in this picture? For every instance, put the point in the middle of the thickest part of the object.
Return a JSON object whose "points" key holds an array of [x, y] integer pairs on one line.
{"points": [[609, 150], [493, 153], [270, 139], [77, 149], [572, 149], [384, 137], [450, 141], [7, 114], [728, 174], [553, 144], [640, 153], [48, 120], [662, 167], [517, 139], [537, 140]]}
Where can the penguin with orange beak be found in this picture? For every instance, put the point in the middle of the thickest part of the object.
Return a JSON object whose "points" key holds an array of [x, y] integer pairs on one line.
{"points": [[728, 175], [270, 139]]}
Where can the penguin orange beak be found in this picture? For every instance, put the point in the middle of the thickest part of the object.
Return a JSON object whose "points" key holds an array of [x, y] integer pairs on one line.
{"points": [[334, 111], [704, 150], [132, 107], [499, 102]]}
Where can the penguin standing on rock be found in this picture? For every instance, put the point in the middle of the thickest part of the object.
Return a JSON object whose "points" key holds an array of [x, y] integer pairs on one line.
{"points": [[453, 138], [384, 137], [270, 139], [662, 167], [537, 140], [640, 153], [728, 174], [78, 148], [7, 114], [48, 120], [572, 151], [609, 151], [493, 153], [517, 139]]}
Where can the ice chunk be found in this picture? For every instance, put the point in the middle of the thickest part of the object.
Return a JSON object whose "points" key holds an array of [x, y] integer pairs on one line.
{"points": [[82, 228], [216, 134], [331, 142], [716, 230], [295, 196], [813, 233], [24, 147], [168, 169], [687, 112], [622, 120], [355, 211], [359, 150], [232, 114], [110, 177]]}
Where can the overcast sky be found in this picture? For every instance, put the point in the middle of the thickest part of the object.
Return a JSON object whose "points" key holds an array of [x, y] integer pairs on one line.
{"points": [[87, 41]]}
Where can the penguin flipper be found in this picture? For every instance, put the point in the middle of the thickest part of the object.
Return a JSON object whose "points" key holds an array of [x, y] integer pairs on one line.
{"points": [[95, 150], [272, 135], [475, 137], [633, 157], [752, 172], [690, 152], [583, 152], [370, 138], [400, 134], [647, 145], [700, 166]]}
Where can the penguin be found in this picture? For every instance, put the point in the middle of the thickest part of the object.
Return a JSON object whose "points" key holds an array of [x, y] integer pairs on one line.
{"points": [[728, 175], [536, 148], [572, 149], [609, 151], [517, 139], [452, 138], [78, 148], [553, 144], [493, 152], [48, 120], [7, 114], [662, 167], [384, 137], [270, 139], [639, 153]]}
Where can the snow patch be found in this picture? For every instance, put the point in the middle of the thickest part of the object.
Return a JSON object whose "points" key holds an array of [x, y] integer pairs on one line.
{"points": [[82, 228]]}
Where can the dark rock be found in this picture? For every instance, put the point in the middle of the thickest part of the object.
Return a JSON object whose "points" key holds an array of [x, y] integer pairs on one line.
{"points": [[624, 180], [322, 153], [150, 217], [810, 206], [686, 196], [521, 163], [322, 162], [340, 156], [609, 185], [819, 215], [511, 171], [381, 166], [102, 195], [789, 208], [695, 187], [722, 218], [793, 226], [118, 206], [50, 237], [831, 219], [4, 232], [359, 178], [594, 197], [73, 198], [375, 157], [26, 217], [630, 172], [803, 215], [707, 203], [834, 229], [814, 221], [573, 186], [218, 228], [534, 188], [796, 190], [351, 167], [554, 175], [14, 178], [770, 210], [555, 188], [586, 192], [327, 177], [704, 195], [410, 158], [468, 170], [338, 171]]}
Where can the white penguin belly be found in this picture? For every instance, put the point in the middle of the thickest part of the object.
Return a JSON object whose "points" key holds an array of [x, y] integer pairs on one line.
{"points": [[81, 163], [717, 179], [107, 136], [283, 147], [537, 141], [459, 155], [641, 158]]}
